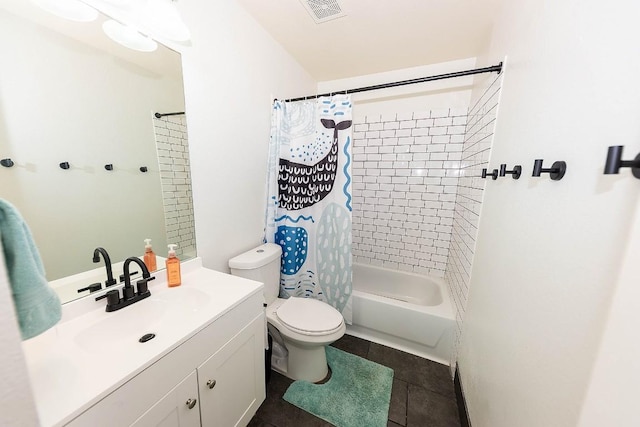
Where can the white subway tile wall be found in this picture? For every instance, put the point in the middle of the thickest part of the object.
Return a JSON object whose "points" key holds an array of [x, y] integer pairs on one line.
{"points": [[475, 156], [405, 173], [173, 158]]}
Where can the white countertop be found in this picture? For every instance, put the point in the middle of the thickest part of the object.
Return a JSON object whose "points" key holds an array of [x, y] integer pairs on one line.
{"points": [[91, 352]]}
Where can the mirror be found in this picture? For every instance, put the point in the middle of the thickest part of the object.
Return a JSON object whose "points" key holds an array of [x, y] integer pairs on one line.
{"points": [[68, 94]]}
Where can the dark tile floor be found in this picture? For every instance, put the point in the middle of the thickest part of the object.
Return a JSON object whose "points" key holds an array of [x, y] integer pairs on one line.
{"points": [[422, 394]]}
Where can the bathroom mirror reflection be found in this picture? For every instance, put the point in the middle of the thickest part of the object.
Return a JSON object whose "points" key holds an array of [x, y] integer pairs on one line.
{"points": [[70, 94]]}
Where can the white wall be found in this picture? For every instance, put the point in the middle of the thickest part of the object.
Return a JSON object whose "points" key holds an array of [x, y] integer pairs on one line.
{"points": [[612, 398], [548, 252], [231, 71]]}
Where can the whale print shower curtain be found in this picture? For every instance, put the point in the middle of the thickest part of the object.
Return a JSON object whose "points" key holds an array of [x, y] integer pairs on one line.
{"points": [[309, 198]]}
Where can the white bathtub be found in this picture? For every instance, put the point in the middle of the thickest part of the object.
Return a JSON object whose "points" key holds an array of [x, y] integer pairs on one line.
{"points": [[403, 310]]}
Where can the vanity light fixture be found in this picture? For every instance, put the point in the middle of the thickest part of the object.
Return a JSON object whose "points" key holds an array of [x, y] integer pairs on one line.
{"points": [[128, 36], [73, 10]]}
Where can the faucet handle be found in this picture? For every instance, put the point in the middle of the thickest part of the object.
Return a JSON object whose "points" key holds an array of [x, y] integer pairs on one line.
{"points": [[143, 285], [112, 296], [127, 292], [94, 287]]}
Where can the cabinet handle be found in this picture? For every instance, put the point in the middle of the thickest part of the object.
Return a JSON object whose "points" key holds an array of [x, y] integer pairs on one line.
{"points": [[191, 403], [211, 383]]}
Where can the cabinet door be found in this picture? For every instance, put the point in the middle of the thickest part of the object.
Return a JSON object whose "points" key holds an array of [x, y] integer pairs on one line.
{"points": [[179, 407], [231, 381]]}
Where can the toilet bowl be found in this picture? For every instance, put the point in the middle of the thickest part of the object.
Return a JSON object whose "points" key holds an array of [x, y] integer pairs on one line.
{"points": [[302, 327], [306, 326]]}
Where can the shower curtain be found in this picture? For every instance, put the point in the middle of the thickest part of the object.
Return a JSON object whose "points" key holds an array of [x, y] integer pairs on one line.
{"points": [[309, 198]]}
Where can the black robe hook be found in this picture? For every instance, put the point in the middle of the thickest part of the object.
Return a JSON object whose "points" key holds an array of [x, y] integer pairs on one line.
{"points": [[615, 162], [515, 173], [556, 171], [493, 175]]}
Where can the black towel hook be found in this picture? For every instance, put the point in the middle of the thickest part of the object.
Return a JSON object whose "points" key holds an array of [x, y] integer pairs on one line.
{"points": [[143, 169], [515, 173], [109, 167], [493, 175], [615, 162], [65, 165], [556, 171], [7, 163]]}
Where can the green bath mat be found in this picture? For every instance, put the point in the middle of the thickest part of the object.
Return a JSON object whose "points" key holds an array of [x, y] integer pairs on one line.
{"points": [[357, 395]]}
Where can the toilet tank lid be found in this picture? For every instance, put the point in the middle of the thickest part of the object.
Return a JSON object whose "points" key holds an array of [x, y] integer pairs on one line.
{"points": [[257, 257]]}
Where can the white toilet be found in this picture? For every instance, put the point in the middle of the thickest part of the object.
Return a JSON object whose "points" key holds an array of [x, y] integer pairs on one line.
{"points": [[301, 327]]}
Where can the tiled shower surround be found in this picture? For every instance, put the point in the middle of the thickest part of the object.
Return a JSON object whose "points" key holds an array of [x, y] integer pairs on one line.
{"points": [[173, 159], [405, 176], [475, 156], [417, 191]]}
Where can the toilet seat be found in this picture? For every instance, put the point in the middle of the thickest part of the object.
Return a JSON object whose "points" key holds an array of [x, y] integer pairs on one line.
{"points": [[308, 316]]}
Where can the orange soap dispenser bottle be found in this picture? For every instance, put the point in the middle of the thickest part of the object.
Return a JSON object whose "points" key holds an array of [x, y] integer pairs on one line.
{"points": [[149, 256], [173, 268]]}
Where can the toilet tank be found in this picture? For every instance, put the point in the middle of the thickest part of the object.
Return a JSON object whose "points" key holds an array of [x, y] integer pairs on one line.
{"points": [[261, 264]]}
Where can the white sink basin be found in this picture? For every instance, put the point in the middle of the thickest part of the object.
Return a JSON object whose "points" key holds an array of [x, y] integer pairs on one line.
{"points": [[91, 353], [156, 314]]}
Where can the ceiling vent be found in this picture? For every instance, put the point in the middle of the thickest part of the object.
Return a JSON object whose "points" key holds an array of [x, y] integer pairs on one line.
{"points": [[323, 10]]}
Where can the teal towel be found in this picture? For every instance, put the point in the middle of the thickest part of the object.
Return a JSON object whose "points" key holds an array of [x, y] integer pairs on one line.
{"points": [[37, 305]]}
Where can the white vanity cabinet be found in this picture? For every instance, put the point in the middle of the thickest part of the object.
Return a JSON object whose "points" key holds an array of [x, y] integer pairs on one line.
{"points": [[231, 387], [211, 376]]}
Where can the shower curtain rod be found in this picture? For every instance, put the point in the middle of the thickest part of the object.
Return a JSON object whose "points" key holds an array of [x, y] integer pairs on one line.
{"points": [[493, 68], [161, 115]]}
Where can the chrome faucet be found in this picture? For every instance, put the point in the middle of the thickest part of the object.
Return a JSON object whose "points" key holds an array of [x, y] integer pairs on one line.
{"points": [[129, 294], [107, 263]]}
